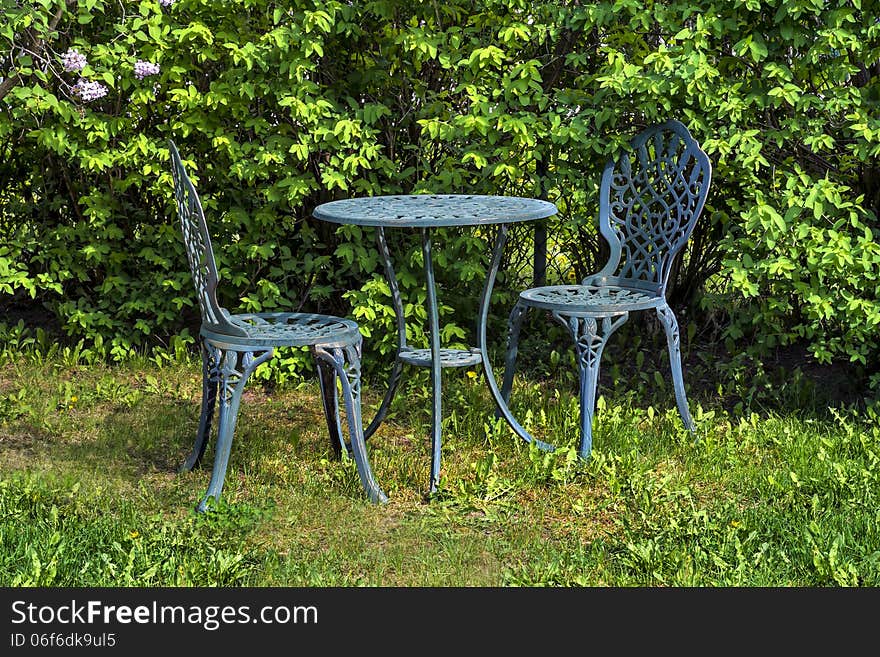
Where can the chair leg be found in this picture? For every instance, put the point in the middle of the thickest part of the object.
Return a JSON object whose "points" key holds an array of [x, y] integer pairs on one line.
{"points": [[231, 385], [346, 362], [210, 378], [667, 317], [589, 343], [330, 401], [514, 324]]}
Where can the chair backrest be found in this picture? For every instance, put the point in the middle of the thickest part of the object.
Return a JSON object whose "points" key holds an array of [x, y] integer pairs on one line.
{"points": [[649, 202], [198, 248]]}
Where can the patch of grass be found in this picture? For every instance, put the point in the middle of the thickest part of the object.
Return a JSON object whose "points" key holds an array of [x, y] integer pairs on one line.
{"points": [[90, 494], [54, 534]]}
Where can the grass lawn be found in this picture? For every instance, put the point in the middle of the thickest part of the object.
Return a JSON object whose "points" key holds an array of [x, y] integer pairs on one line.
{"points": [[783, 494]]}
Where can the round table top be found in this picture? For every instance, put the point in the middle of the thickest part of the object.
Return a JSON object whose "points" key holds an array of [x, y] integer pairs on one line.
{"points": [[433, 210]]}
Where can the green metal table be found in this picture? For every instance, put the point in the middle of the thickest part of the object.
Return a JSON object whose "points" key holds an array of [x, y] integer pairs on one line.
{"points": [[426, 212]]}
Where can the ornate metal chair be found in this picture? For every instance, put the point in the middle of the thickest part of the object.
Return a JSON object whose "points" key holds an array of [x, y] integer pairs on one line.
{"points": [[234, 345], [649, 202]]}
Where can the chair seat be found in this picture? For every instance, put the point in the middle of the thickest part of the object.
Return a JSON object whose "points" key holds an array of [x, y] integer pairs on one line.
{"points": [[590, 299], [285, 330]]}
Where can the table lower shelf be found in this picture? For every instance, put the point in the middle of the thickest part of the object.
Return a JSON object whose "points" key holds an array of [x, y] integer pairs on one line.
{"points": [[448, 357]]}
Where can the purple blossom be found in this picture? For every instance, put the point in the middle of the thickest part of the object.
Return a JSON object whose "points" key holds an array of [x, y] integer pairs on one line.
{"points": [[88, 90], [144, 69], [73, 60], [166, 3]]}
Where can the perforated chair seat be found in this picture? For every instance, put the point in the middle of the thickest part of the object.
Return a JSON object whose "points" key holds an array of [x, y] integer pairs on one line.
{"points": [[586, 299], [285, 330]]}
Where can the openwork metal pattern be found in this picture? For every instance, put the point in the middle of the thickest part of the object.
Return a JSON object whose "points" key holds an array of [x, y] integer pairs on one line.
{"points": [[234, 367], [592, 298], [432, 210], [590, 337], [650, 200], [233, 346], [198, 242], [448, 357], [295, 329]]}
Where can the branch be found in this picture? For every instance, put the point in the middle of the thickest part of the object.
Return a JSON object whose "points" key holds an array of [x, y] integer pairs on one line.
{"points": [[36, 45]]}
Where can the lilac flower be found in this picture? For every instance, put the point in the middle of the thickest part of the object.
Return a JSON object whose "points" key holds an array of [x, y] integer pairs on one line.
{"points": [[166, 3], [88, 90], [73, 60], [144, 69]]}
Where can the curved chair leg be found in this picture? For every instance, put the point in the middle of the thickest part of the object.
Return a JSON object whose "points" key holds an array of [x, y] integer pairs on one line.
{"points": [[346, 362], [330, 400], [514, 324], [230, 387], [589, 343], [667, 317], [210, 378]]}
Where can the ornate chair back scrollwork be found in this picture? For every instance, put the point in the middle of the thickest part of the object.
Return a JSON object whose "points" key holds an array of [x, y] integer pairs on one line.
{"points": [[650, 199], [234, 345]]}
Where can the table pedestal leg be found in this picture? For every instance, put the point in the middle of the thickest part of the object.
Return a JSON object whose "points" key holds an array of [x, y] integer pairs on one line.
{"points": [[434, 329], [397, 302]]}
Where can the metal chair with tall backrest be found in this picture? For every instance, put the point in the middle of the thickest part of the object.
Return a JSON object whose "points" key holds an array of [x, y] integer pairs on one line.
{"points": [[233, 345], [649, 202]]}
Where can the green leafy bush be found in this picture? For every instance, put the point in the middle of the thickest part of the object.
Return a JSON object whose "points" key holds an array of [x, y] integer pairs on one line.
{"points": [[280, 106]]}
